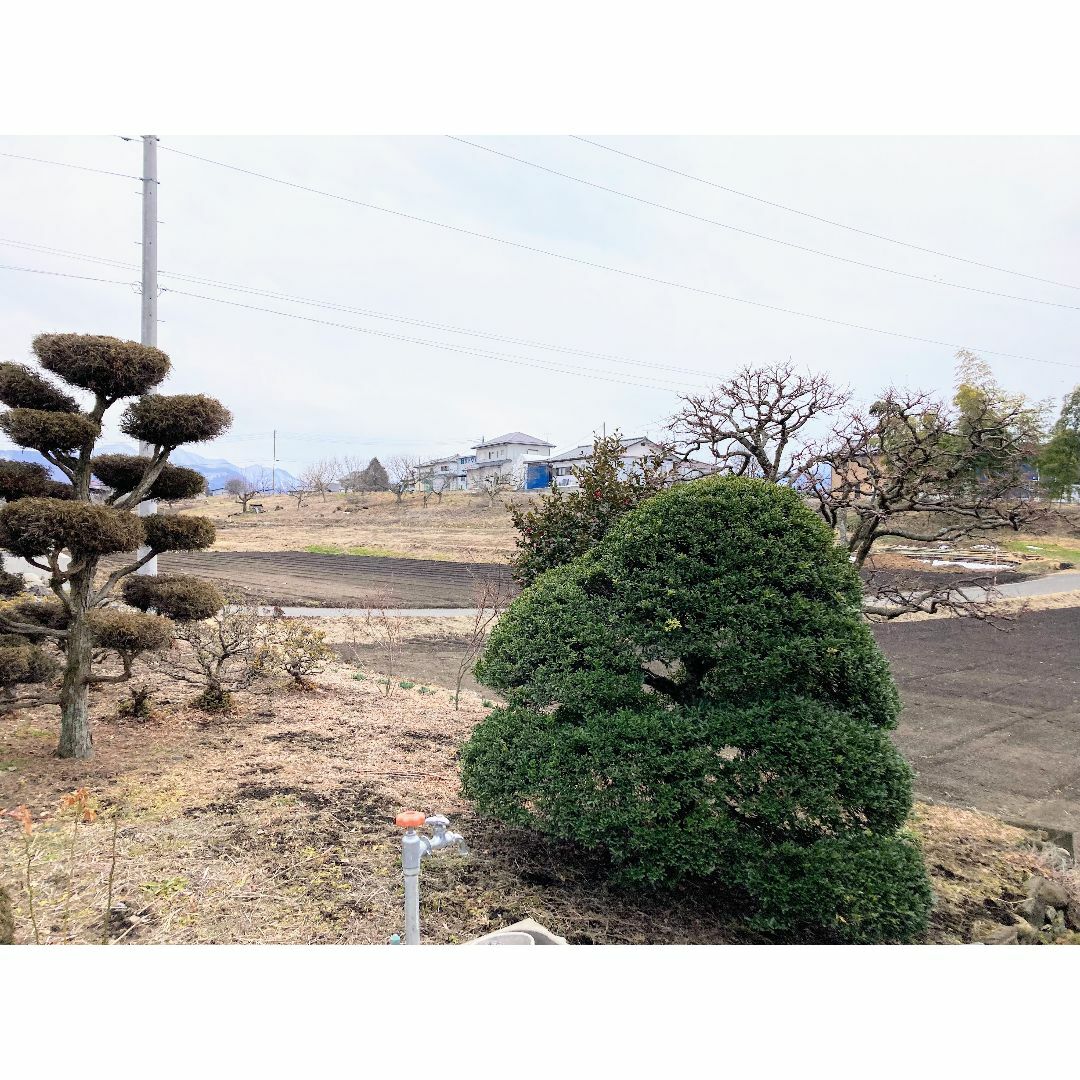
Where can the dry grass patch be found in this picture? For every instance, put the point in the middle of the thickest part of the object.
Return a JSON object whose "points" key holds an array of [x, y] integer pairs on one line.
{"points": [[460, 527], [276, 826]]}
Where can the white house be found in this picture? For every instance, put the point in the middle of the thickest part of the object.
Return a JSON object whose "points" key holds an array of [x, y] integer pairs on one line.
{"points": [[445, 473], [507, 455], [560, 467]]}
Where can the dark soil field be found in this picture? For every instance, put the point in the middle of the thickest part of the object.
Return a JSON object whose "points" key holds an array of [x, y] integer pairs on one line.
{"points": [[992, 718], [299, 578]]}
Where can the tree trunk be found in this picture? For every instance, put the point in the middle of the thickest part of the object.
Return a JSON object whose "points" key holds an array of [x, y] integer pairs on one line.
{"points": [[75, 737]]}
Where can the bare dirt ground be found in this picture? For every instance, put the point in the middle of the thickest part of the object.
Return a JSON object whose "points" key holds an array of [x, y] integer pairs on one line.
{"points": [[461, 527], [302, 579], [276, 825], [991, 718]]}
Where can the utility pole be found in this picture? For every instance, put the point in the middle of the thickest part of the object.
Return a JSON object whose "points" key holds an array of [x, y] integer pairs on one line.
{"points": [[148, 334], [273, 464]]}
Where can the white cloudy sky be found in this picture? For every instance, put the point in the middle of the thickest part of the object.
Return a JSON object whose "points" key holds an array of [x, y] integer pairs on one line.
{"points": [[330, 390]]}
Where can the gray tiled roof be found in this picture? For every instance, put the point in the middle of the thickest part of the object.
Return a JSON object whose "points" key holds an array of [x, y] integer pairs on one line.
{"points": [[518, 437]]}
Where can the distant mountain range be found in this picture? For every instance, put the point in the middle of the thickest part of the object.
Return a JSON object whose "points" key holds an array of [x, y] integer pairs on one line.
{"points": [[216, 470]]}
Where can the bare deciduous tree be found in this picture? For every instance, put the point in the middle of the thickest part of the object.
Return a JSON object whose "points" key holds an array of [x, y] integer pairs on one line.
{"points": [[914, 468], [319, 475], [750, 422], [403, 475], [376, 625], [492, 594], [245, 486], [219, 654], [494, 484]]}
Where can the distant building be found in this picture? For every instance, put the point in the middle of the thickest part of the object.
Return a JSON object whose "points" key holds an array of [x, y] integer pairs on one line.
{"points": [[558, 469], [508, 455], [447, 473]]}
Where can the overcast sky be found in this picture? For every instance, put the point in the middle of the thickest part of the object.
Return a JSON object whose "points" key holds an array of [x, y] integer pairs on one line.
{"points": [[329, 390]]}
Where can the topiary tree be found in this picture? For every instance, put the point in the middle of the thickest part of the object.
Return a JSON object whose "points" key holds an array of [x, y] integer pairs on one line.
{"points": [[699, 697], [567, 523], [55, 527]]}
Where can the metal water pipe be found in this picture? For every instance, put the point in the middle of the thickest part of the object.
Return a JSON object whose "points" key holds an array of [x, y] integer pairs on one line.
{"points": [[413, 848]]}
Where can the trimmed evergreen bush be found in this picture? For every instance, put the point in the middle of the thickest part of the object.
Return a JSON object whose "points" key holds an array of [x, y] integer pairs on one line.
{"points": [[699, 697]]}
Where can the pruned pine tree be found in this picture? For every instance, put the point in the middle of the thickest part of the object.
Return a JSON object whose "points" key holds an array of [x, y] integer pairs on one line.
{"points": [[54, 526]]}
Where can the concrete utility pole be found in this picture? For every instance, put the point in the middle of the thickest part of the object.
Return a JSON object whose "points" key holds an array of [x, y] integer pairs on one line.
{"points": [[273, 463], [148, 335]]}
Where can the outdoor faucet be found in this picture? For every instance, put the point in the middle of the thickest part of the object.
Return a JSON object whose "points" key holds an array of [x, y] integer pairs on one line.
{"points": [[440, 838], [413, 848]]}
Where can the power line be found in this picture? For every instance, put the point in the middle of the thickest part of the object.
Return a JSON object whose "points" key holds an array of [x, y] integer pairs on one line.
{"points": [[77, 277], [590, 373], [435, 325], [404, 319], [614, 269], [824, 220], [69, 165], [757, 235]]}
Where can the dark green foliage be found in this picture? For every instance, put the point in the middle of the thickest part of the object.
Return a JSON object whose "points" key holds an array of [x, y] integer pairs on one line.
{"points": [[122, 472], [175, 419], [699, 697], [49, 431], [174, 533], [860, 888], [567, 524], [128, 632], [185, 599], [11, 585], [103, 365], [374, 477], [19, 479], [33, 527], [23, 388], [1059, 459], [23, 662]]}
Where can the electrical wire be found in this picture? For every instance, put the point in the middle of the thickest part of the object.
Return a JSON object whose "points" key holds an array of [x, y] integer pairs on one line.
{"points": [[757, 235], [404, 319], [69, 165], [824, 220], [590, 373], [614, 269]]}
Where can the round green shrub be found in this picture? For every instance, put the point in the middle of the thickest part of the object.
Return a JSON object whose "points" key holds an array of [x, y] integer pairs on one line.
{"points": [[23, 479], [49, 431], [32, 527], [128, 631], [176, 419], [166, 532], [122, 472], [698, 697], [103, 365], [185, 599], [23, 388]]}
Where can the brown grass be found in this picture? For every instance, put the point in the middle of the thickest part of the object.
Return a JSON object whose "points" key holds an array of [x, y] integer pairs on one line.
{"points": [[276, 826], [461, 527]]}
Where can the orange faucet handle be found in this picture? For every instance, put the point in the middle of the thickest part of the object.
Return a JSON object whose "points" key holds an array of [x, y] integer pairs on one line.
{"points": [[409, 819]]}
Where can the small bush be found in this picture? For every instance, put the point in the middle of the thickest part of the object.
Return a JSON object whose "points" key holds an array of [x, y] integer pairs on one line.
{"points": [[129, 632], [166, 532], [406, 684], [185, 599], [296, 649]]}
